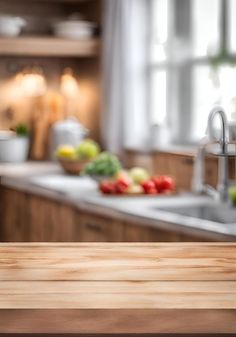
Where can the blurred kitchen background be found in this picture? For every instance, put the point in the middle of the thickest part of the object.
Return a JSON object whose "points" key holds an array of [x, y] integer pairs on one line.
{"points": [[136, 77], [163, 65], [49, 67]]}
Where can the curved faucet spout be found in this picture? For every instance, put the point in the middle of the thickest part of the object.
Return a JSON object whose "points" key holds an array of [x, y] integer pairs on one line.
{"points": [[223, 141], [198, 178], [218, 110]]}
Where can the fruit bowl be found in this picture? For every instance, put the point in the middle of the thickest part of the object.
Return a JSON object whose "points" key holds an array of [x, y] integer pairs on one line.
{"points": [[73, 166]]}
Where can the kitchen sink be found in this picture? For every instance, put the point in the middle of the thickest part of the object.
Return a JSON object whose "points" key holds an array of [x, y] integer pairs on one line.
{"points": [[221, 213]]}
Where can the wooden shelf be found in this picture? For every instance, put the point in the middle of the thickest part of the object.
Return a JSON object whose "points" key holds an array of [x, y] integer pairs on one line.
{"points": [[60, 1], [48, 47]]}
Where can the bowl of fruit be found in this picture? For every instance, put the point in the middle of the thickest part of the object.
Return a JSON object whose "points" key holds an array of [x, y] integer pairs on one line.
{"points": [[137, 182], [105, 166], [74, 159]]}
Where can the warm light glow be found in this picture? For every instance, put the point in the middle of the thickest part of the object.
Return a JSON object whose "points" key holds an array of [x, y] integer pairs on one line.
{"points": [[32, 84], [69, 85]]}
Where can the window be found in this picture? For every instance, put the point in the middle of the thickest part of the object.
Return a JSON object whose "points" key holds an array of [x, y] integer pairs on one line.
{"points": [[192, 64]]}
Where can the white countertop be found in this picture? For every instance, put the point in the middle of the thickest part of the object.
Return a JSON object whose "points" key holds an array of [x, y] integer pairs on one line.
{"points": [[28, 168]]}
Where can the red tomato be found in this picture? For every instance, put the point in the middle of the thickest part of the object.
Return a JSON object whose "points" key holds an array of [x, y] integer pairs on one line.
{"points": [[152, 191], [123, 182], [107, 187], [149, 187], [164, 183], [157, 182], [123, 176], [120, 187]]}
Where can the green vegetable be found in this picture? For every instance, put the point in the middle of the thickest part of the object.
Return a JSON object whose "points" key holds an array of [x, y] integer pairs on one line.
{"points": [[105, 164], [21, 130], [232, 194]]}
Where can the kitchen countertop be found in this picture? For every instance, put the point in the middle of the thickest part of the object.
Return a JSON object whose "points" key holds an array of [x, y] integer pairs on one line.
{"points": [[189, 150], [28, 168], [47, 179], [118, 288]]}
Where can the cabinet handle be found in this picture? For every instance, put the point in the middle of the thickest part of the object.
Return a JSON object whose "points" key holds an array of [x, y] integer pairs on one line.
{"points": [[187, 161], [93, 226]]}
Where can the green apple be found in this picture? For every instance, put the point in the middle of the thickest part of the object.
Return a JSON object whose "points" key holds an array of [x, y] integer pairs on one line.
{"points": [[232, 194], [87, 149], [66, 152], [139, 175]]}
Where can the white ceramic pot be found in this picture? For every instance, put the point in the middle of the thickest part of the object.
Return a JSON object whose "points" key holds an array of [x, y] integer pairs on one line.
{"points": [[73, 29], [11, 26], [13, 149], [66, 132]]}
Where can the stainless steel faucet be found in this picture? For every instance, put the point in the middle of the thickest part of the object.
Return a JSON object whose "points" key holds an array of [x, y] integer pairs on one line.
{"points": [[198, 184]]}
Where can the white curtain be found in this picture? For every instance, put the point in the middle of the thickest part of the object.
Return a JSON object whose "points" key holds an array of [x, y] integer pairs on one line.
{"points": [[125, 121]]}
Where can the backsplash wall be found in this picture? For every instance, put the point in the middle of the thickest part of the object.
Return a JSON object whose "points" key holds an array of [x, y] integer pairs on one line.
{"points": [[16, 108]]}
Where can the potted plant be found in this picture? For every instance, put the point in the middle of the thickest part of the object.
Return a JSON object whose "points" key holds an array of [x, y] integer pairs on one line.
{"points": [[14, 144]]}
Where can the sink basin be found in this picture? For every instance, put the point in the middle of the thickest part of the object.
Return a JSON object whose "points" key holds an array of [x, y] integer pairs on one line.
{"points": [[213, 212]]}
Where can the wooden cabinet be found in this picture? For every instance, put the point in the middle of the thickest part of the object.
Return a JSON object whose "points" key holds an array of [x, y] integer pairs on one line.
{"points": [[14, 215], [211, 171], [176, 165], [96, 228], [31, 218], [27, 217], [143, 233], [52, 221], [192, 238], [132, 158]]}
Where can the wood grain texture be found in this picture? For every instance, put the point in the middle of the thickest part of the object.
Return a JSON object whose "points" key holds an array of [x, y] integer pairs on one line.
{"points": [[118, 321], [31, 218], [46, 46], [27, 217], [117, 295], [121, 262], [118, 288]]}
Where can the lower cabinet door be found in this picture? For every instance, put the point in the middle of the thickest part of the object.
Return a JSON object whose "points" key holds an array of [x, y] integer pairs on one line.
{"points": [[142, 233], [99, 229]]}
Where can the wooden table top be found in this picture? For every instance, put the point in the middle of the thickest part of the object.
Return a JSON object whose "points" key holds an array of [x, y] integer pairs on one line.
{"points": [[118, 288]]}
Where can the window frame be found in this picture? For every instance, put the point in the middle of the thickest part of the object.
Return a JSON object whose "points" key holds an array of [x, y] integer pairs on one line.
{"points": [[179, 77]]}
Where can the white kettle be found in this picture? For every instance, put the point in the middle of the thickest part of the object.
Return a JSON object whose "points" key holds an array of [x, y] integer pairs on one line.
{"points": [[67, 132]]}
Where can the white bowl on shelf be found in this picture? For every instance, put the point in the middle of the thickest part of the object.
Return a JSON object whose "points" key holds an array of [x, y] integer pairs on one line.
{"points": [[74, 29], [11, 26]]}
